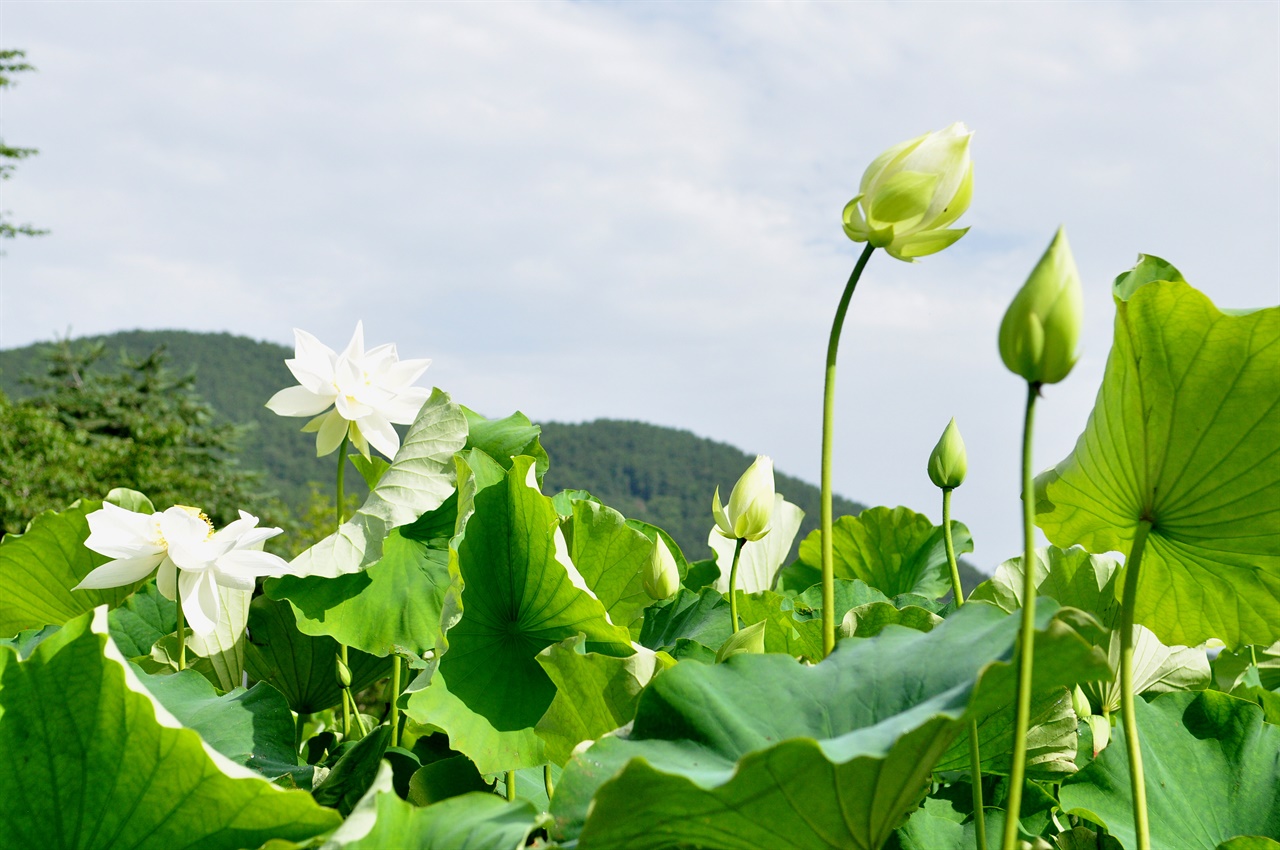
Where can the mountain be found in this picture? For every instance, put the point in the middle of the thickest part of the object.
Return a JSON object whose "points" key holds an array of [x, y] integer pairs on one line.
{"points": [[661, 475]]}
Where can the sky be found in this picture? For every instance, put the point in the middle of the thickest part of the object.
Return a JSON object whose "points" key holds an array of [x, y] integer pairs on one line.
{"points": [[632, 210]]}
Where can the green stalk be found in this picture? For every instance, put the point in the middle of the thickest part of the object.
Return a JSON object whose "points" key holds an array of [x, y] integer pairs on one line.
{"points": [[511, 786], [342, 647], [975, 755], [733, 583], [956, 589], [182, 634], [299, 729], [828, 425], [1027, 633], [1130, 717], [395, 697], [546, 779]]}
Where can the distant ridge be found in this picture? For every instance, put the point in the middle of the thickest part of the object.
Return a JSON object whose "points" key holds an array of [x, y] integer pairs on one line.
{"points": [[658, 474]]}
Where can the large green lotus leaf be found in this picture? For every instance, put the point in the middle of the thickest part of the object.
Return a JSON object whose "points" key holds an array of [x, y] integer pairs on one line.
{"points": [[760, 560], [353, 774], [472, 821], [394, 605], [143, 619], [894, 550], [849, 594], [696, 615], [1051, 739], [1251, 666], [870, 620], [765, 751], [302, 667], [1184, 434], [595, 693], [1072, 576], [506, 439], [418, 481], [937, 827], [1212, 773], [251, 727], [782, 632], [1249, 842], [515, 592], [39, 568], [92, 760], [611, 557], [1089, 582]]}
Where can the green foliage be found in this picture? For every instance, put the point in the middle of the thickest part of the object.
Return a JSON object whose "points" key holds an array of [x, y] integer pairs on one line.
{"points": [[830, 755], [1184, 436], [101, 766], [1216, 765], [140, 426], [13, 62]]}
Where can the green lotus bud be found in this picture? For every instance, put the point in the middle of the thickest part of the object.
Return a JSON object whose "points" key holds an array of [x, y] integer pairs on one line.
{"points": [[1080, 703], [912, 193], [344, 672], [749, 640], [949, 461], [1040, 330], [661, 575], [750, 511]]}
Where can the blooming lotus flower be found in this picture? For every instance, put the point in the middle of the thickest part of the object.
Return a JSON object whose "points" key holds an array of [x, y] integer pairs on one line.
{"points": [[750, 512], [912, 193], [191, 558], [368, 390]]}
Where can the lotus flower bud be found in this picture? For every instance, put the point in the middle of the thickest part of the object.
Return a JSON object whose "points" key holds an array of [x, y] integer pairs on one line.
{"points": [[1080, 703], [912, 193], [1040, 330], [749, 640], [949, 461], [344, 672], [750, 511], [661, 575]]}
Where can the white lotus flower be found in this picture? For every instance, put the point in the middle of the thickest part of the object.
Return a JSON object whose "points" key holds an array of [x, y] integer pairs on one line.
{"points": [[368, 390], [190, 556]]}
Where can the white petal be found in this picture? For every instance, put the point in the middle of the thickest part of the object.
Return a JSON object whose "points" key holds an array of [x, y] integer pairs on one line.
{"points": [[247, 563], [378, 431], [119, 533], [200, 603], [298, 401], [377, 360], [355, 348], [404, 408], [311, 352], [167, 579], [403, 374], [332, 429], [351, 408], [120, 572]]}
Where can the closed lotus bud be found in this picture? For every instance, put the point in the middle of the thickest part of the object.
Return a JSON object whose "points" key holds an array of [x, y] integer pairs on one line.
{"points": [[750, 511], [912, 194], [344, 673], [1040, 330], [749, 640], [1080, 703], [661, 575], [949, 461]]}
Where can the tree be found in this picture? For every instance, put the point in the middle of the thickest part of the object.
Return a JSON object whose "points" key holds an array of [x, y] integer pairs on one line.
{"points": [[13, 62], [87, 430]]}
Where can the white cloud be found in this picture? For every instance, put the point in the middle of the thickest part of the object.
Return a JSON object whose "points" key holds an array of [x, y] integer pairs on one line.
{"points": [[632, 210]]}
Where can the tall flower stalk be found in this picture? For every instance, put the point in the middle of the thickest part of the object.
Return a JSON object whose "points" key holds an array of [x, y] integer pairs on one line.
{"points": [[1038, 339], [906, 203], [1137, 779], [948, 465]]}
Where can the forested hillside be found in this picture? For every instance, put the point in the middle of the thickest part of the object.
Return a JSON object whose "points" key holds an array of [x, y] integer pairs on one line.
{"points": [[662, 475]]}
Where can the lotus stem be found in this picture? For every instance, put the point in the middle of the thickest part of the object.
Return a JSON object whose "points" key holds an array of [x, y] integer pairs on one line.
{"points": [[546, 779], [342, 647], [1136, 779], [511, 786], [828, 424], [733, 583], [299, 729], [1027, 633], [975, 755], [395, 698]]}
